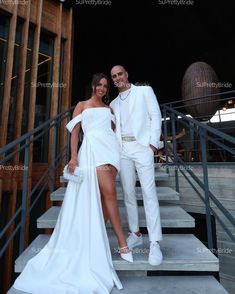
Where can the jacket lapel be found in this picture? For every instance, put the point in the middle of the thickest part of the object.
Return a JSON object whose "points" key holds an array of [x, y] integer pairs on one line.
{"points": [[118, 113], [132, 98], [116, 108]]}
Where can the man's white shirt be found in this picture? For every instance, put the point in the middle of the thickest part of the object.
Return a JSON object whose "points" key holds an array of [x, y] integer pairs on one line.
{"points": [[124, 101]]}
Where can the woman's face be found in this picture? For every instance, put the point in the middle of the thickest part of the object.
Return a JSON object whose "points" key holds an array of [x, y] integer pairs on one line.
{"points": [[102, 88]]}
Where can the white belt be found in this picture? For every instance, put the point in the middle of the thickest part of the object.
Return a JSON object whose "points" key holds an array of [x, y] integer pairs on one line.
{"points": [[129, 138]]}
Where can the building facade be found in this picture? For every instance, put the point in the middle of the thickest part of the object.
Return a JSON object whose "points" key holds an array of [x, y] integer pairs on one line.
{"points": [[35, 85]]}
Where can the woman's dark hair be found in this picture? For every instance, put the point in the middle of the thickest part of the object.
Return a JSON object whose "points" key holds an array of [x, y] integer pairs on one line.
{"points": [[95, 82]]}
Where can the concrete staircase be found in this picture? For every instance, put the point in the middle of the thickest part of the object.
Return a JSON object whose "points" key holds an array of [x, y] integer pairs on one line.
{"points": [[181, 252]]}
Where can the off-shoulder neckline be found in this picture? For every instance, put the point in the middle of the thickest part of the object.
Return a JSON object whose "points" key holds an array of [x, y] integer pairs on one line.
{"points": [[92, 108], [95, 107]]}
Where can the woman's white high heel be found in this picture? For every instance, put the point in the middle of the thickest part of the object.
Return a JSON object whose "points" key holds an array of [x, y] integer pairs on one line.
{"points": [[126, 256]]}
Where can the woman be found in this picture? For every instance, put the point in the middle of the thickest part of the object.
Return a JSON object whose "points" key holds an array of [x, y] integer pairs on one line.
{"points": [[77, 258]]}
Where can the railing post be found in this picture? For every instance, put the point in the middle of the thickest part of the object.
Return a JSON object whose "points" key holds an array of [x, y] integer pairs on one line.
{"points": [[165, 137], [203, 135], [53, 156], [24, 197], [175, 151]]}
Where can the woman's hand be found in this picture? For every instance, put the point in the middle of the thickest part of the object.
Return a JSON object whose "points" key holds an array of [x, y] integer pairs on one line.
{"points": [[153, 148], [73, 163]]}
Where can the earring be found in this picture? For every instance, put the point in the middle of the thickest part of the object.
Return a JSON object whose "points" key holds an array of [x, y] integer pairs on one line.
{"points": [[106, 100]]}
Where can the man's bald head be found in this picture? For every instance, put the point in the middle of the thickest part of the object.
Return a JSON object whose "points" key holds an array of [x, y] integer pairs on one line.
{"points": [[118, 67]]}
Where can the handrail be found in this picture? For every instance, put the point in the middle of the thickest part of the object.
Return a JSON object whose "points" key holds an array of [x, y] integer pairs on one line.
{"points": [[199, 124], [32, 132], [192, 123], [49, 175], [205, 133], [221, 99], [200, 97], [201, 197]]}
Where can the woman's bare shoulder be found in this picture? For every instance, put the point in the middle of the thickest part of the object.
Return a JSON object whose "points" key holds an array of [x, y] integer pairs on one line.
{"points": [[78, 108]]}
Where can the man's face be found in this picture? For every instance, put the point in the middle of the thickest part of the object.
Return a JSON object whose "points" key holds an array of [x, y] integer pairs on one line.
{"points": [[119, 76]]}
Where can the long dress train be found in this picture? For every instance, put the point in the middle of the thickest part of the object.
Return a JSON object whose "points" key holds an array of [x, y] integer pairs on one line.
{"points": [[77, 258]]}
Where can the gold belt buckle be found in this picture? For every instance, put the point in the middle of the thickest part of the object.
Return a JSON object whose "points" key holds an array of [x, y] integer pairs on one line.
{"points": [[129, 138]]}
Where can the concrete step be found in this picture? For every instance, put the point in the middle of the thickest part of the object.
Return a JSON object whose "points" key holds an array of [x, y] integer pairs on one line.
{"points": [[172, 216], [164, 285], [159, 176], [170, 285], [164, 193], [181, 252]]}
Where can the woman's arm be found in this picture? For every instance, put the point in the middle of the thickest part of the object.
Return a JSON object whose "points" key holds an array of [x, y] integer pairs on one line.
{"points": [[74, 140]]}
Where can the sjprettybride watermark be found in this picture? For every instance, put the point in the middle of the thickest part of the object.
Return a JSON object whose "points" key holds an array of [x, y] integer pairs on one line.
{"points": [[174, 167], [48, 85], [213, 85], [13, 167], [215, 250], [93, 2], [128, 85], [134, 251], [176, 2]]}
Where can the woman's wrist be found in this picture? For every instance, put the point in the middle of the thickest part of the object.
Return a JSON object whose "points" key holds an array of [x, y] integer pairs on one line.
{"points": [[73, 158]]}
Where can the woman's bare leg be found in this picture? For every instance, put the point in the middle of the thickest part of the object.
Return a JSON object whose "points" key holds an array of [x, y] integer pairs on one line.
{"points": [[104, 209], [106, 177]]}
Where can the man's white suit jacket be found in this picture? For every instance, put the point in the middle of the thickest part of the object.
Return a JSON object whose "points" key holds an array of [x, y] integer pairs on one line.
{"points": [[145, 116]]}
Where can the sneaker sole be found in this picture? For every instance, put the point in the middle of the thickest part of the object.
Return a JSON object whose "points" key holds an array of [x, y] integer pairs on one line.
{"points": [[155, 264]]}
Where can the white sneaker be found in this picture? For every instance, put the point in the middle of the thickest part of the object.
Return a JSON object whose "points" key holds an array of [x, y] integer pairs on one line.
{"points": [[133, 240], [155, 254]]}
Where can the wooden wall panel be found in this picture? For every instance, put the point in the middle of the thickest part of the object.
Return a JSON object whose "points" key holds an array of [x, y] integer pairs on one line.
{"points": [[49, 15], [8, 75], [56, 63], [3, 127], [35, 67], [32, 101], [22, 70], [15, 175], [52, 16], [71, 26], [33, 11], [55, 92], [67, 78], [66, 23], [23, 8], [8, 7]]}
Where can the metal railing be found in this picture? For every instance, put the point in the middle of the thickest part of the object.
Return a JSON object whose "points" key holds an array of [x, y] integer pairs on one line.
{"points": [[223, 119], [205, 133], [23, 144]]}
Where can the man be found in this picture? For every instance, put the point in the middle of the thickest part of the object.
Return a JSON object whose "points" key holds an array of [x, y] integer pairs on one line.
{"points": [[138, 128]]}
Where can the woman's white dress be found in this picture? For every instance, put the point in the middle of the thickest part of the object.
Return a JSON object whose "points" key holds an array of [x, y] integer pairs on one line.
{"points": [[77, 258]]}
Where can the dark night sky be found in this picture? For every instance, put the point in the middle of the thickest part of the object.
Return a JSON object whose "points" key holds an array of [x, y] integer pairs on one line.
{"points": [[155, 42]]}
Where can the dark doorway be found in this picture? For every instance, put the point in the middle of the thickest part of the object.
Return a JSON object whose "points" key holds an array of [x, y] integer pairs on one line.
{"points": [[156, 40]]}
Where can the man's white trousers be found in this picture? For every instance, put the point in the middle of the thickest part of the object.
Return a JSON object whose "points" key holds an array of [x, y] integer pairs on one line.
{"points": [[136, 157]]}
